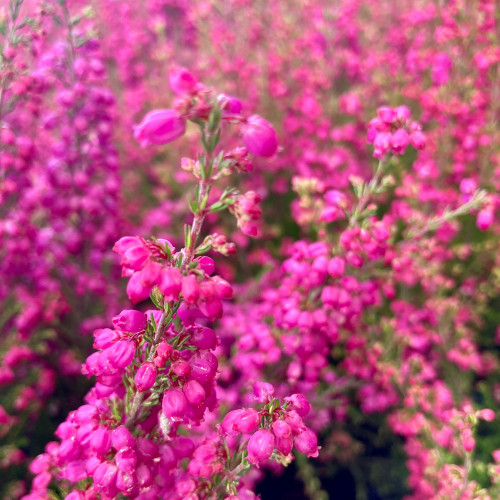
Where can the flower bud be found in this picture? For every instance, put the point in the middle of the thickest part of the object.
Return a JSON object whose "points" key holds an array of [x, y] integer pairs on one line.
{"points": [[206, 264], [204, 338], [126, 460], [402, 114], [136, 291], [231, 105], [299, 403], [181, 81], [381, 145], [259, 137], [484, 219], [130, 321], [227, 426], [125, 481], [246, 421], [281, 429], [284, 444], [260, 446], [160, 127], [203, 369], [386, 114], [181, 368], [263, 392], [174, 404], [190, 289], [170, 283], [336, 267], [418, 140], [105, 475], [135, 258], [194, 392], [126, 243], [164, 350], [150, 274], [121, 438], [399, 141], [307, 442], [105, 338], [121, 354], [145, 377], [100, 440]]}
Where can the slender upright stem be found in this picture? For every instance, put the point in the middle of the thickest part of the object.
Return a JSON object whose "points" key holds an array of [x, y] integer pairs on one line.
{"points": [[189, 251], [198, 219], [365, 196]]}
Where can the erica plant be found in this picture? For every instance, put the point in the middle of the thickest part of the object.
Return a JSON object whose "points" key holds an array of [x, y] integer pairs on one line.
{"points": [[148, 428]]}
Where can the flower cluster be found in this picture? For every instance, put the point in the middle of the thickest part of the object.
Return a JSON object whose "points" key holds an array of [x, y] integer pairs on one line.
{"points": [[393, 131], [368, 287], [283, 428], [156, 371]]}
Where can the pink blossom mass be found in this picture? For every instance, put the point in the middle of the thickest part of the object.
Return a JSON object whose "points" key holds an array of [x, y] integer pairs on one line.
{"points": [[249, 249]]}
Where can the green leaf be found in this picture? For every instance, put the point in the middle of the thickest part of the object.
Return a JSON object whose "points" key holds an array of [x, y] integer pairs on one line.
{"points": [[214, 119], [193, 205]]}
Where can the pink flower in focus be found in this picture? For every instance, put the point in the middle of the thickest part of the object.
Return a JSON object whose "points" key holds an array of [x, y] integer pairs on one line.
{"points": [[307, 442], [260, 446], [259, 137], [145, 377]]}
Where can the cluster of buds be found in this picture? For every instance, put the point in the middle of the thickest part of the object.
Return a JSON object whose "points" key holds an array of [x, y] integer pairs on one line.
{"points": [[393, 131], [247, 211], [197, 103], [277, 426], [154, 265]]}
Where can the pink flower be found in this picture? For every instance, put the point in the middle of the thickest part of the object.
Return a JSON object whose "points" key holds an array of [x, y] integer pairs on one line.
{"points": [[181, 81], [263, 392], [100, 440], [231, 105], [484, 219], [130, 321], [307, 442], [228, 424], [174, 404], [120, 354], [135, 257], [136, 291], [170, 283], [247, 421], [336, 267], [399, 141], [402, 114], [418, 140], [281, 429], [190, 289], [299, 403], [160, 127], [121, 438], [145, 377], [260, 446], [381, 145], [386, 114], [194, 392], [204, 338], [105, 475], [259, 137]]}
